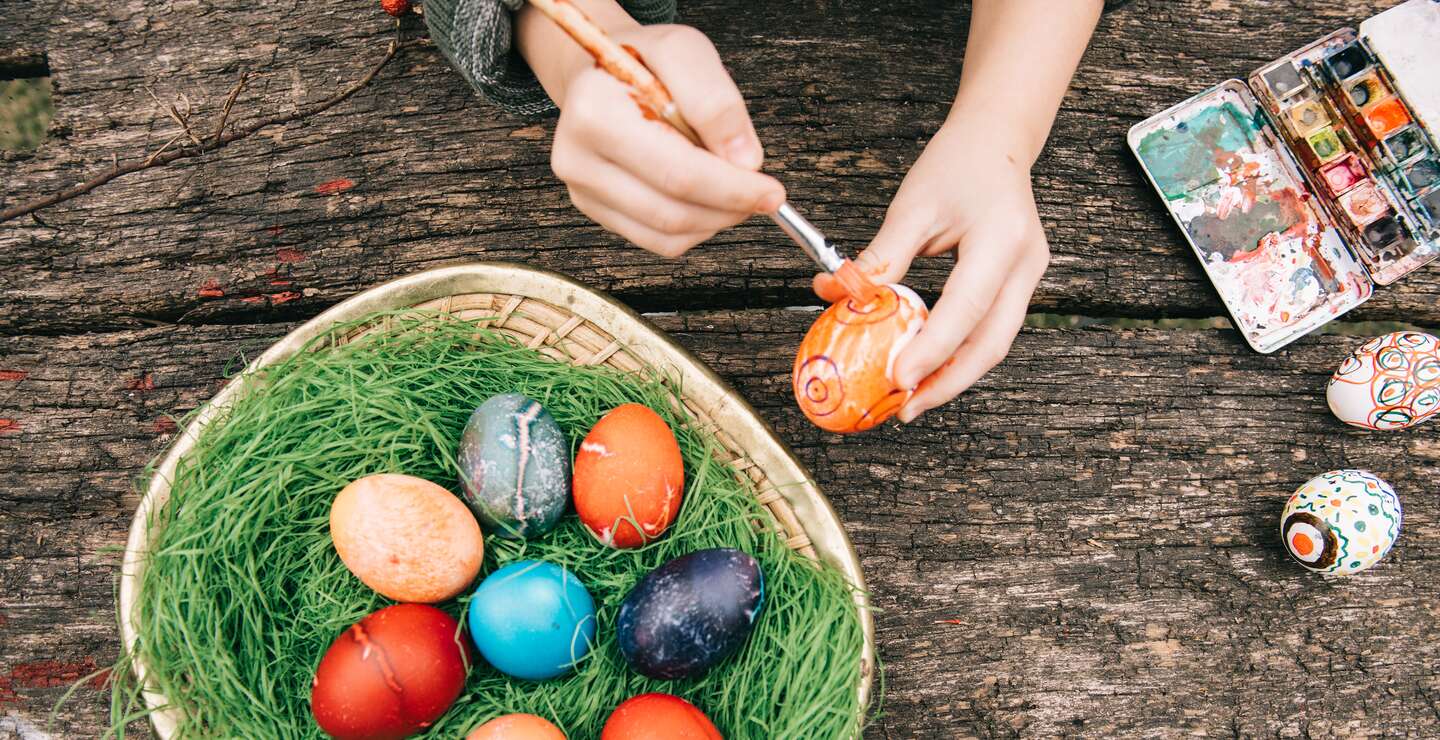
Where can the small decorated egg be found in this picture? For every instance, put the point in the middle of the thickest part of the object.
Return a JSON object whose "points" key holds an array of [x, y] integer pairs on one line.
{"points": [[690, 613], [517, 727], [844, 371], [658, 717], [406, 537], [390, 675], [514, 466], [628, 473], [532, 619], [1341, 522], [1389, 382]]}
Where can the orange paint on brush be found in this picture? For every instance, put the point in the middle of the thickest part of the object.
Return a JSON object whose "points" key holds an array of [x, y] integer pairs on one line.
{"points": [[856, 284]]}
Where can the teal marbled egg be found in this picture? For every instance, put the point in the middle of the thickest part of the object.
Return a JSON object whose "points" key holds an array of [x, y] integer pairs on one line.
{"points": [[514, 467]]}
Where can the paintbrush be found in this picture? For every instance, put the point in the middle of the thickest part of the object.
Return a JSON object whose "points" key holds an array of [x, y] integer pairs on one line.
{"points": [[625, 65]]}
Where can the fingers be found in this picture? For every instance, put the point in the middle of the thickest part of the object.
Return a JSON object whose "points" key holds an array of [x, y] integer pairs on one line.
{"points": [[640, 234], [686, 61], [622, 191], [888, 257]]}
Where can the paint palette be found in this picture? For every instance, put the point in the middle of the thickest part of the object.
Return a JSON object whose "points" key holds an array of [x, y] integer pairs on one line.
{"points": [[1319, 177]]}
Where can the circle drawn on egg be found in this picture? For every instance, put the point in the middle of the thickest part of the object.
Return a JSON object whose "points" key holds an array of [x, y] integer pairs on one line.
{"points": [[819, 385], [873, 312], [1310, 540]]}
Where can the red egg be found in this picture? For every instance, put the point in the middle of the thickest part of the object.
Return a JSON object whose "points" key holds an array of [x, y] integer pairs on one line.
{"points": [[628, 472], [391, 674], [658, 717]]}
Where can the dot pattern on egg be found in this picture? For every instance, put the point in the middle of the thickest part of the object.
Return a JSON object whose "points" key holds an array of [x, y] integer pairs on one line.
{"points": [[1390, 382], [1341, 522]]}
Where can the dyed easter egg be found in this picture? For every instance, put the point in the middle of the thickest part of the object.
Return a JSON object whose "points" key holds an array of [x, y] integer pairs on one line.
{"points": [[628, 472], [843, 377], [532, 619], [517, 727], [690, 613], [1341, 522], [514, 466], [390, 675], [658, 717], [406, 537], [1390, 382]]}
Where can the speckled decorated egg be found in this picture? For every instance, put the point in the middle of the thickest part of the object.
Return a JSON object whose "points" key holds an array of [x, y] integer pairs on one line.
{"points": [[1389, 382], [406, 537], [517, 727], [690, 613], [658, 717], [628, 472], [532, 619], [1341, 522], [514, 467], [390, 675], [843, 376]]}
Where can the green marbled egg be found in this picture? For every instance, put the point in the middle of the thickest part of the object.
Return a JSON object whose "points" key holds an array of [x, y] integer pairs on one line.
{"points": [[514, 467]]}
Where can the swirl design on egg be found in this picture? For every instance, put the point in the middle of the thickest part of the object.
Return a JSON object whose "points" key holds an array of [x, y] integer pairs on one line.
{"points": [[1390, 382], [819, 387]]}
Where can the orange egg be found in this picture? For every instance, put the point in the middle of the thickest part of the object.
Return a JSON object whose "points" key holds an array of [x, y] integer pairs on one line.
{"points": [[658, 717], [628, 472], [406, 537], [517, 727], [843, 370]]}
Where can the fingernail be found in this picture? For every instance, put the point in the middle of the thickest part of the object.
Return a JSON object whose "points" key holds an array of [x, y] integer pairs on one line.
{"points": [[744, 151], [770, 203], [908, 415]]}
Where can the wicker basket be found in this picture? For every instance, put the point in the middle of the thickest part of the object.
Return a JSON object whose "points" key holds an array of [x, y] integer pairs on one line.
{"points": [[571, 322]]}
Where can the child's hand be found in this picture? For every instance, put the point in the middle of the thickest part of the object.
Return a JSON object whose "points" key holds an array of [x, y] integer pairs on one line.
{"points": [[968, 193], [635, 175]]}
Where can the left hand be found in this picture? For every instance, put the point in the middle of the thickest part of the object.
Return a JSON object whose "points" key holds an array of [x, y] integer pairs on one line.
{"points": [[968, 193]]}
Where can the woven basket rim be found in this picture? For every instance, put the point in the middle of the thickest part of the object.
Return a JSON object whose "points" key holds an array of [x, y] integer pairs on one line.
{"points": [[802, 514]]}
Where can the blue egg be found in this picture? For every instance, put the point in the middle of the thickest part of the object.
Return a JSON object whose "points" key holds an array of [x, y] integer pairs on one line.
{"points": [[532, 620], [514, 466], [690, 613]]}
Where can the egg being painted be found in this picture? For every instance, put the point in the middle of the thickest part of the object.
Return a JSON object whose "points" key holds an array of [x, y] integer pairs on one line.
{"points": [[690, 613], [1341, 522], [658, 717], [532, 620], [1389, 382], [514, 466], [844, 369], [517, 727], [629, 473], [390, 675], [405, 537]]}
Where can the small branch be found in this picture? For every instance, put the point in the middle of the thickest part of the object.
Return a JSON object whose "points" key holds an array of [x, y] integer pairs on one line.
{"points": [[221, 140], [229, 102]]}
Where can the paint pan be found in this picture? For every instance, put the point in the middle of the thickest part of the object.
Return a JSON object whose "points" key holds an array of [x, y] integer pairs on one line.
{"points": [[1366, 89], [1363, 203], [1383, 232], [1343, 174], [1284, 80], [1325, 145], [1422, 175], [1385, 117], [1348, 62], [1306, 116], [1405, 144]]}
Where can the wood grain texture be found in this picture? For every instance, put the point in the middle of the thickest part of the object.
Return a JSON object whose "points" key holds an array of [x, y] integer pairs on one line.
{"points": [[1085, 544], [416, 172]]}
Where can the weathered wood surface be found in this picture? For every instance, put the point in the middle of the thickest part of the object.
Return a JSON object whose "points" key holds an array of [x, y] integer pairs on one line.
{"points": [[1097, 517]]}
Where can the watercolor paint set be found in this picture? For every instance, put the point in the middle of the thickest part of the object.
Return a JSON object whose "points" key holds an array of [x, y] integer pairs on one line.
{"points": [[1315, 180]]}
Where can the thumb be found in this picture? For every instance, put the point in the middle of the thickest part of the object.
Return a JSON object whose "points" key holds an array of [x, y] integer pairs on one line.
{"points": [[886, 260], [685, 60]]}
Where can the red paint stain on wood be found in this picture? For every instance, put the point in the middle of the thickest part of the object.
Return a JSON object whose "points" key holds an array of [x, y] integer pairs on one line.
{"points": [[144, 382], [44, 674], [164, 425], [287, 255], [335, 186], [9, 425], [211, 289], [948, 621], [253, 299], [13, 374], [282, 283], [285, 297]]}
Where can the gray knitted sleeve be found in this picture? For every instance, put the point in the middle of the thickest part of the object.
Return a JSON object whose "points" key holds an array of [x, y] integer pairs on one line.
{"points": [[475, 35]]}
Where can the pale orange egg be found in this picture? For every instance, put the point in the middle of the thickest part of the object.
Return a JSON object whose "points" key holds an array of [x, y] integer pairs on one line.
{"points": [[843, 371], [407, 538], [628, 473], [517, 727]]}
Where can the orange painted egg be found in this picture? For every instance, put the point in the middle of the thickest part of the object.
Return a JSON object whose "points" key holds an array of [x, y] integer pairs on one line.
{"points": [[517, 727], [843, 370], [406, 537], [628, 474], [658, 717]]}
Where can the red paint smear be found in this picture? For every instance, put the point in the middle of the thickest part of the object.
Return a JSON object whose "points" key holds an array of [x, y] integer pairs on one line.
{"points": [[287, 255], [145, 382], [282, 283], [948, 621], [285, 297], [163, 425], [253, 299], [9, 425], [335, 186], [13, 374], [46, 674], [211, 289]]}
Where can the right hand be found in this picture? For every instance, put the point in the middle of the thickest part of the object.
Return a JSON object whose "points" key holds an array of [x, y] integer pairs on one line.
{"points": [[636, 176]]}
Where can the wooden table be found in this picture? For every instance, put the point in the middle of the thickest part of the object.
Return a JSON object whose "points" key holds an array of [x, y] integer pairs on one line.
{"points": [[1083, 544]]}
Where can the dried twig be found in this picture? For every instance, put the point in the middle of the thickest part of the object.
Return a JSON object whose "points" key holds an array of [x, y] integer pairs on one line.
{"points": [[230, 102], [221, 140]]}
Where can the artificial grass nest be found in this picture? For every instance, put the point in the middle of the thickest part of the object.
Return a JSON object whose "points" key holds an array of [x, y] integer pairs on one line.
{"points": [[243, 592]]}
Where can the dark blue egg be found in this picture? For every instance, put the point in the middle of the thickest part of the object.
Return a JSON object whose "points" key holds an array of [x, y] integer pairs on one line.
{"points": [[690, 613], [514, 467]]}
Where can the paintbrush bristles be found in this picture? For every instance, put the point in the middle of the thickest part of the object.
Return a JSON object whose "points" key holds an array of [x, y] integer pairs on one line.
{"points": [[621, 62]]}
